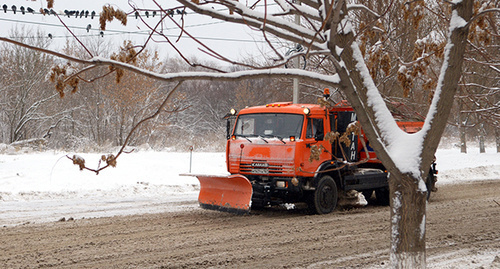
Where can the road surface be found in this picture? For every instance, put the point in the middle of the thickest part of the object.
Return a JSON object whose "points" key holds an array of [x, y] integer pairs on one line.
{"points": [[462, 224]]}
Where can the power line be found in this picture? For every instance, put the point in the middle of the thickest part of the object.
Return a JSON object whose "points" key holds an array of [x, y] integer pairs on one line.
{"points": [[80, 14], [145, 32], [84, 28], [93, 14], [86, 13]]}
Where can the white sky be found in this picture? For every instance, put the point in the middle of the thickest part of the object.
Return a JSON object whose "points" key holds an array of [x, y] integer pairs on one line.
{"points": [[232, 41]]}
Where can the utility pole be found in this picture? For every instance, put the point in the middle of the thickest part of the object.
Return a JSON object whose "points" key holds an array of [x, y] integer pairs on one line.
{"points": [[296, 63]]}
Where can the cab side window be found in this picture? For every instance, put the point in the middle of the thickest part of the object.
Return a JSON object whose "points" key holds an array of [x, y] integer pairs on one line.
{"points": [[315, 129]]}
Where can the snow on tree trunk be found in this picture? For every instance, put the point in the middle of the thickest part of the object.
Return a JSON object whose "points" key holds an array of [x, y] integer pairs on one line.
{"points": [[408, 204]]}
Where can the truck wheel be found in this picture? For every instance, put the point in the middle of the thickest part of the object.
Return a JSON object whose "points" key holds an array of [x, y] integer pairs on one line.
{"points": [[368, 196], [325, 196], [430, 184]]}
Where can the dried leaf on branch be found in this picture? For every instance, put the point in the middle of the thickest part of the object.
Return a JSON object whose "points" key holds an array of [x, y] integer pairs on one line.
{"points": [[109, 13], [78, 160], [60, 74], [127, 54], [315, 153], [110, 160]]}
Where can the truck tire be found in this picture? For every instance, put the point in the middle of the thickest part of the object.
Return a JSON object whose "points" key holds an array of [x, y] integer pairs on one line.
{"points": [[430, 184], [368, 196], [324, 199]]}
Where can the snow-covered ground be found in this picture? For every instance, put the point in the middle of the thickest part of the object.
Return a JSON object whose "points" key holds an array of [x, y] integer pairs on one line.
{"points": [[46, 186]]}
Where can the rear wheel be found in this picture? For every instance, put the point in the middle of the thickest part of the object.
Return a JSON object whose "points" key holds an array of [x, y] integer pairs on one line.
{"points": [[430, 184], [368, 196], [324, 199]]}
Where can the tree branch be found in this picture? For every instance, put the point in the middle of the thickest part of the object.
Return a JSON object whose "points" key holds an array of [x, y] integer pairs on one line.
{"points": [[331, 80], [278, 27], [111, 160]]}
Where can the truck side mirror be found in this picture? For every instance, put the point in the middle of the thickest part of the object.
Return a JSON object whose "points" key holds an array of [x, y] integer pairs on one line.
{"points": [[228, 128], [229, 117]]}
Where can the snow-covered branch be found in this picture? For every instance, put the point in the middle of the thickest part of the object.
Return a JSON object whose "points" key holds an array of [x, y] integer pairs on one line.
{"points": [[99, 61], [364, 8], [482, 13], [279, 27], [481, 86], [291, 9]]}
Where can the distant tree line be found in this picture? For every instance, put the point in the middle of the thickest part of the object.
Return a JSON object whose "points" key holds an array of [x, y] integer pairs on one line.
{"points": [[102, 112]]}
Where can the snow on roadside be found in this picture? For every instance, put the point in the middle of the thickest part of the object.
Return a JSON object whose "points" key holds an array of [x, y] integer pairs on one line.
{"points": [[40, 187], [455, 167]]}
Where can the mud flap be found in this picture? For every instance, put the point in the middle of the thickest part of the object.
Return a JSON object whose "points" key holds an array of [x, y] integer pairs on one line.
{"points": [[225, 193]]}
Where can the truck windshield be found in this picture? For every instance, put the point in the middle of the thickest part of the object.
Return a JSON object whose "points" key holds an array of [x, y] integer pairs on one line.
{"points": [[269, 125]]}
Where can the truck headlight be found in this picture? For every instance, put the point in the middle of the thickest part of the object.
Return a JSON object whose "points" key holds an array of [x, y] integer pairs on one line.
{"points": [[281, 184]]}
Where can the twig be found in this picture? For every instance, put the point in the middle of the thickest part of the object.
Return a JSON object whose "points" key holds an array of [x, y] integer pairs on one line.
{"points": [[74, 36], [113, 160], [83, 70]]}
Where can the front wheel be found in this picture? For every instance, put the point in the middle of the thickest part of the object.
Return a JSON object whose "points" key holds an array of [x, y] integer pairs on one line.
{"points": [[430, 183], [324, 199]]}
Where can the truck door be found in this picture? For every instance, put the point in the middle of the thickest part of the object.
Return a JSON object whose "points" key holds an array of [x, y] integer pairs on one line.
{"points": [[314, 136]]}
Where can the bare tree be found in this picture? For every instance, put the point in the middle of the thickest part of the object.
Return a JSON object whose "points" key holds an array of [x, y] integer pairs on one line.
{"points": [[478, 111], [25, 91], [330, 32]]}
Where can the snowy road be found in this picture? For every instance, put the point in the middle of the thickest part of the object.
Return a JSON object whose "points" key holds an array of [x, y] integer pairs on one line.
{"points": [[45, 187], [461, 233]]}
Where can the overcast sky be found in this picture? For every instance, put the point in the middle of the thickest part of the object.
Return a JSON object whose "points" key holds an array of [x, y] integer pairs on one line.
{"points": [[231, 40]]}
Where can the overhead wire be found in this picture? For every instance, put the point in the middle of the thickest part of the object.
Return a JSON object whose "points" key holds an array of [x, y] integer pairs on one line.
{"points": [[86, 13], [118, 32], [110, 32]]}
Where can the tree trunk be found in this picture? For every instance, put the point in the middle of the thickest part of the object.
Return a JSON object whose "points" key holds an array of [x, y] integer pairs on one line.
{"points": [[461, 125], [408, 202], [497, 135], [481, 139], [481, 144], [463, 141]]}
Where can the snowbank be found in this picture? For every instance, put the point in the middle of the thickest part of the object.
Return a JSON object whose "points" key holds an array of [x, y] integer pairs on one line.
{"points": [[454, 166], [39, 187]]}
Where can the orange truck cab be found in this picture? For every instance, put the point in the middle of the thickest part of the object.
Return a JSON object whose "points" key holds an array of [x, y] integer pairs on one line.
{"points": [[283, 151]]}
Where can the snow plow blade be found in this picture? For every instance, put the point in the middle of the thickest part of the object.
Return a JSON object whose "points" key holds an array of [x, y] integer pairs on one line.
{"points": [[225, 193]]}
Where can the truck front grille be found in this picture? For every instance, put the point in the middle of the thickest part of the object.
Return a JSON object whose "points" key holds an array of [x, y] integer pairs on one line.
{"points": [[264, 168]]}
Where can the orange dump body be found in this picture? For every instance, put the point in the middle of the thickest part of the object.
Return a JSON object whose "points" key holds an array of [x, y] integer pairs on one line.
{"points": [[410, 126], [407, 126]]}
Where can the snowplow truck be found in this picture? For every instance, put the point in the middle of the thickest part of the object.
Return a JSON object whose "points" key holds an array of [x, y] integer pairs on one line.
{"points": [[289, 153]]}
